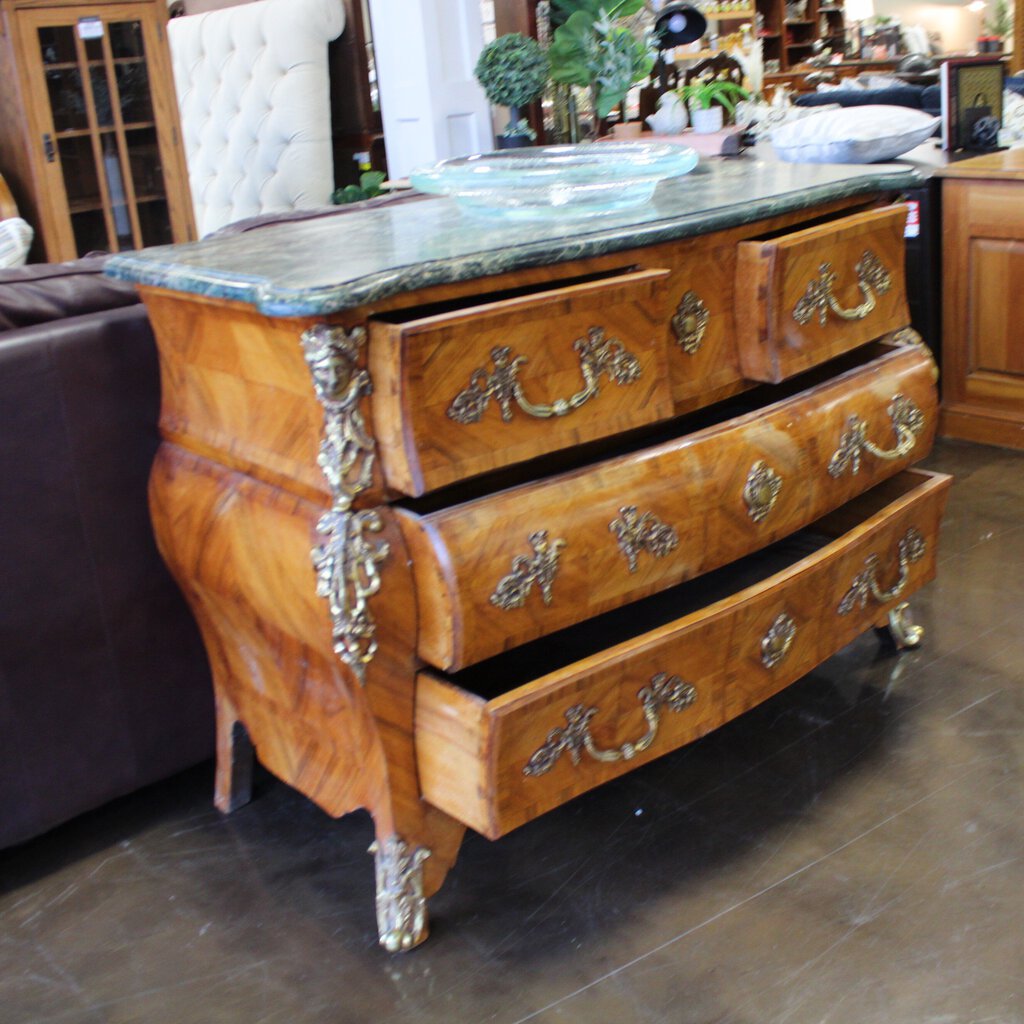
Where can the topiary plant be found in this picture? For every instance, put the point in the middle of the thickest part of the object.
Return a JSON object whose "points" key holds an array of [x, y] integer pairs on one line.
{"points": [[513, 69]]}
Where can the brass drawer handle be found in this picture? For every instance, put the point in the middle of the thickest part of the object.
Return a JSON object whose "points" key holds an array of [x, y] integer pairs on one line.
{"points": [[662, 691], [644, 532], [907, 422], [598, 356], [872, 277], [690, 322], [910, 549], [513, 589], [775, 644]]}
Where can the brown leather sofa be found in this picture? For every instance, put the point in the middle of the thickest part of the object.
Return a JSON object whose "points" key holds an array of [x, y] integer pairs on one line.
{"points": [[104, 684]]}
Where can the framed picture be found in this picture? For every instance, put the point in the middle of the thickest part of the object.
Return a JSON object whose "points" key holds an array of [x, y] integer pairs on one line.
{"points": [[972, 103]]}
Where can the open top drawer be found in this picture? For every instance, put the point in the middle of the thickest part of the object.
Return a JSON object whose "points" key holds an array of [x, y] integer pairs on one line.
{"points": [[807, 296], [461, 391], [511, 738]]}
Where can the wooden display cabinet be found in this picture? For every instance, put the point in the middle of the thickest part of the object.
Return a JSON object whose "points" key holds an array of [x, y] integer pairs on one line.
{"points": [[89, 137], [983, 276]]}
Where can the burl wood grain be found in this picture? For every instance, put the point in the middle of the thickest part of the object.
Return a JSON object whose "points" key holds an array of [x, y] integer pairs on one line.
{"points": [[240, 549], [420, 365], [694, 484], [772, 277], [472, 752], [983, 279]]}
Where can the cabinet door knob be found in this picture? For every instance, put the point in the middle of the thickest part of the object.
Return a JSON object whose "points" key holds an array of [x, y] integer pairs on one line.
{"points": [[49, 149]]}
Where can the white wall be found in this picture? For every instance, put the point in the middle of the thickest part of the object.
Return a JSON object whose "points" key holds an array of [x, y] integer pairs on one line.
{"points": [[958, 27]]}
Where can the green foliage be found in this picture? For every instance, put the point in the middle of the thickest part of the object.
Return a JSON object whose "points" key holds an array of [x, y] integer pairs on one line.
{"points": [[720, 90], [593, 51], [513, 69], [612, 8], [368, 188], [1001, 22]]}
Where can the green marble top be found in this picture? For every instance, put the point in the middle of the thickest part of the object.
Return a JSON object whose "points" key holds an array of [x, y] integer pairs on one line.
{"points": [[324, 265]]}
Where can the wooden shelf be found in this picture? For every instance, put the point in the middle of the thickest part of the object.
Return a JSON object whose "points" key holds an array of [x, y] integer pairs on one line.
{"points": [[746, 12]]}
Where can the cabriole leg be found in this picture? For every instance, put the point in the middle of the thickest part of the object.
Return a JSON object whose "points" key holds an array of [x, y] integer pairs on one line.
{"points": [[235, 758]]}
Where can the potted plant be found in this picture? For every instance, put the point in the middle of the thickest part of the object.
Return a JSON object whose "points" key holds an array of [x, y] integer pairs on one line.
{"points": [[995, 28], [707, 98], [595, 49], [513, 69]]}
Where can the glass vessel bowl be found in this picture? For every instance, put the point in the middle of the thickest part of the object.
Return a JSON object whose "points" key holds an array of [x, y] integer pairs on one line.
{"points": [[557, 181]]}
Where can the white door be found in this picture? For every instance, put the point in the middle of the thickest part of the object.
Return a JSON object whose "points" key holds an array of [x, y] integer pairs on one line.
{"points": [[432, 106]]}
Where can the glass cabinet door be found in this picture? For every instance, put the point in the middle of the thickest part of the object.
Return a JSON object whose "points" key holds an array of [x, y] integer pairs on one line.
{"points": [[105, 134]]}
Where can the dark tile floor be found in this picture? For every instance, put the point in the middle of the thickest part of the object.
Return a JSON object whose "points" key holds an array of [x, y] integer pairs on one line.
{"points": [[851, 852]]}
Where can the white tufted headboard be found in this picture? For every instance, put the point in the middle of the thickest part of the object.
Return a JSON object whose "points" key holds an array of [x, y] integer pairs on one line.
{"points": [[254, 97]]}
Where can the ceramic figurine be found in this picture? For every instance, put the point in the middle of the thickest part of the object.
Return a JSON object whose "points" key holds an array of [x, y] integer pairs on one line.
{"points": [[670, 117]]}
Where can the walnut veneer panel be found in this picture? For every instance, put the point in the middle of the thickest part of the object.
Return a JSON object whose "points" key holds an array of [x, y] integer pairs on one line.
{"points": [[809, 295], [472, 753], [693, 486]]}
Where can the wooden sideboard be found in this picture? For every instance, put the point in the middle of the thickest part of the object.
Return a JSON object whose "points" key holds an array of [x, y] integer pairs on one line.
{"points": [[565, 517], [983, 278]]}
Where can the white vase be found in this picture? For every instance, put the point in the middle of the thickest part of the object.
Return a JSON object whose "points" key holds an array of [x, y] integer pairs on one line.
{"points": [[707, 121]]}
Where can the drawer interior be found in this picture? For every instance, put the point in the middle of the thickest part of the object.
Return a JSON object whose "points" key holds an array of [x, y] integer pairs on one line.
{"points": [[496, 676], [480, 300]]}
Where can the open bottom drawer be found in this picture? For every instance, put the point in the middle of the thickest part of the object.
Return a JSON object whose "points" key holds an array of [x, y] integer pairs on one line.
{"points": [[564, 720]]}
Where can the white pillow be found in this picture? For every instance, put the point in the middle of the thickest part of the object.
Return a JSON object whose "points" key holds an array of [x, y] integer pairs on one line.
{"points": [[853, 135], [15, 239], [1013, 118]]}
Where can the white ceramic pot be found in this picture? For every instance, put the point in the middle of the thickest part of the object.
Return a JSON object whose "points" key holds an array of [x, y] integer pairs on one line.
{"points": [[706, 121]]}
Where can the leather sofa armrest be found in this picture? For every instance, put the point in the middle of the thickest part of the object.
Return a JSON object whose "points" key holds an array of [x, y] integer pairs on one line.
{"points": [[40, 293]]}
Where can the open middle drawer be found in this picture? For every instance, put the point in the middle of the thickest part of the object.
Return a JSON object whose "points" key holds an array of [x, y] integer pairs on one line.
{"points": [[552, 734], [501, 570]]}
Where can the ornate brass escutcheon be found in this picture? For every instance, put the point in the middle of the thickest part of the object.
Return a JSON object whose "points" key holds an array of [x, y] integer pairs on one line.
{"points": [[690, 322], [662, 691], [777, 641], [761, 490], [907, 422], [347, 560], [911, 548], [598, 356], [644, 532], [513, 589], [872, 278]]}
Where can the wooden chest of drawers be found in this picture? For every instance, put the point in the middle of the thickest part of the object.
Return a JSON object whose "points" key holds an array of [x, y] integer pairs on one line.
{"points": [[564, 518]]}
